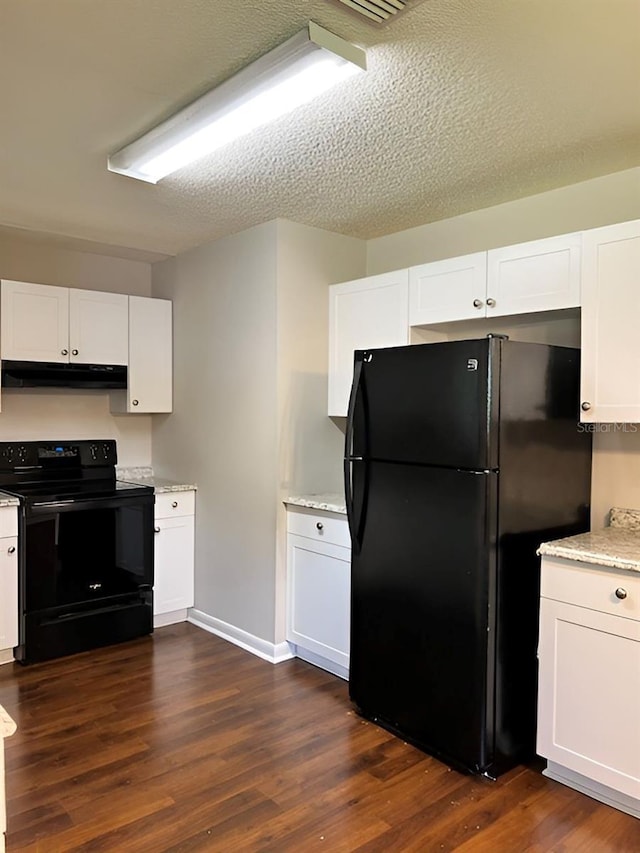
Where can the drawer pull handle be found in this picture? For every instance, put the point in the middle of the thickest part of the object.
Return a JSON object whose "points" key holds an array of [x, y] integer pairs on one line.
{"points": [[320, 525], [621, 593], [11, 549], [156, 530], [174, 504]]}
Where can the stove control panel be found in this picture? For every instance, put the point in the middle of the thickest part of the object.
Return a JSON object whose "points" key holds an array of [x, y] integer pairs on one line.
{"points": [[51, 455]]}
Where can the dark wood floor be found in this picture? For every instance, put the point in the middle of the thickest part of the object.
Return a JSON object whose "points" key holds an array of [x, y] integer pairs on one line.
{"points": [[182, 742]]}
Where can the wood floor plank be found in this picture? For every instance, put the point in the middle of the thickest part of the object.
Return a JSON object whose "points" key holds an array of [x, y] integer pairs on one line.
{"points": [[182, 742]]}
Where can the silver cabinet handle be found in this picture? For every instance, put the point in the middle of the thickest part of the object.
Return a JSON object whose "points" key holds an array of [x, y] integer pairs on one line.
{"points": [[585, 406], [491, 303], [174, 504], [74, 352], [320, 525], [134, 402], [478, 303], [156, 530], [621, 593], [11, 549], [64, 352]]}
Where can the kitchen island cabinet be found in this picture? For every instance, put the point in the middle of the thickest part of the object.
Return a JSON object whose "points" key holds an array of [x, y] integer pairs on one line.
{"points": [[318, 587], [589, 669]]}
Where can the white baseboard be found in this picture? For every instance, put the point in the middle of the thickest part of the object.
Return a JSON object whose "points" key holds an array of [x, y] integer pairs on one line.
{"points": [[171, 618], [272, 652], [587, 786], [318, 660], [6, 656]]}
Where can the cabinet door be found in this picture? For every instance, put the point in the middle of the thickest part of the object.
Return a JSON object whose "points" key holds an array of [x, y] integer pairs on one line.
{"points": [[589, 694], [35, 322], [453, 289], [98, 327], [610, 366], [318, 593], [364, 314], [173, 586], [543, 275], [150, 355], [8, 592]]}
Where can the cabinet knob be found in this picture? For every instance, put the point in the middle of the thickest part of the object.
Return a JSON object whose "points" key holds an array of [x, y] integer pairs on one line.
{"points": [[174, 504], [74, 352], [320, 525], [478, 303], [11, 549], [621, 593], [491, 303], [134, 402], [585, 406], [64, 352], [156, 530]]}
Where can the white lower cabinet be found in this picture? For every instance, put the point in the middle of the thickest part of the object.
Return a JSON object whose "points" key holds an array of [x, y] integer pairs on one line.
{"points": [[318, 588], [589, 680], [173, 590], [8, 582]]}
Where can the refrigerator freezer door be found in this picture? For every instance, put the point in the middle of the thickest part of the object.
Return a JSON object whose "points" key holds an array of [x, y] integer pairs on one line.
{"points": [[422, 637], [431, 404]]}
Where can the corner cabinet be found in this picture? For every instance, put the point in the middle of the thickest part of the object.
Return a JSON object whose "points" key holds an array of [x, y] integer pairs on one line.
{"points": [[610, 381], [319, 588], [150, 371], [364, 314], [589, 680], [8, 582], [173, 587], [58, 324]]}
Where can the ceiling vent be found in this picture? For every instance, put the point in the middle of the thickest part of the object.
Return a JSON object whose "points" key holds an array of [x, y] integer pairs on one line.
{"points": [[379, 11]]}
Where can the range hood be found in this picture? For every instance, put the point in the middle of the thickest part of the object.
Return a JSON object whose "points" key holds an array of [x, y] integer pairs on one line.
{"points": [[46, 374]]}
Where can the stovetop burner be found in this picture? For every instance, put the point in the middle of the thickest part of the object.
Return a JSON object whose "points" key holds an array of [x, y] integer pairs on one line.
{"points": [[74, 489]]}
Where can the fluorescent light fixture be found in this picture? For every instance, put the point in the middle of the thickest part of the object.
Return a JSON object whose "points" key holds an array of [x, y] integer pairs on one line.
{"points": [[292, 74]]}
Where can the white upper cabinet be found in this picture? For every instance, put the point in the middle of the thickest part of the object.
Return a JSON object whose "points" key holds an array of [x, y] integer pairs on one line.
{"points": [[364, 314], [35, 322], [41, 322], [542, 275], [443, 291], [610, 381], [150, 375], [539, 276], [98, 327]]}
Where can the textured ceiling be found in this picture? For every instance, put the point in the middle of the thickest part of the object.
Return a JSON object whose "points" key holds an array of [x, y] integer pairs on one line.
{"points": [[466, 104]]}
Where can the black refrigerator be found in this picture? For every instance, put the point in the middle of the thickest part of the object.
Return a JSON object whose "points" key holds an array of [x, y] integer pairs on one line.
{"points": [[461, 457]]}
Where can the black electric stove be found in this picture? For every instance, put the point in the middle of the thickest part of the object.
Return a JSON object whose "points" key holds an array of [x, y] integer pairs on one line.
{"points": [[85, 547]]}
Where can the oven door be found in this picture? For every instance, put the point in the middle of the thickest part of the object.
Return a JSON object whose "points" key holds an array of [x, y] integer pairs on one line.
{"points": [[86, 574], [77, 555]]}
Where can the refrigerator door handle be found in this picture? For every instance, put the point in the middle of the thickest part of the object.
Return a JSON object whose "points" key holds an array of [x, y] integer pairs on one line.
{"points": [[348, 458]]}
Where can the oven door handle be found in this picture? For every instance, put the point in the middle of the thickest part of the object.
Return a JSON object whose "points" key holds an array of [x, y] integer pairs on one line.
{"points": [[79, 503], [54, 503]]}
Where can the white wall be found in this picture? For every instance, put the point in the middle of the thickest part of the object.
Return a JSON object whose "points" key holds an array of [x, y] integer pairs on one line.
{"points": [[32, 414], [602, 201], [222, 433]]}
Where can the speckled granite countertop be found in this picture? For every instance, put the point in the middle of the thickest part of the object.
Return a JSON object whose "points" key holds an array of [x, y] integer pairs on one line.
{"points": [[327, 502], [143, 476], [7, 725], [616, 546], [8, 500]]}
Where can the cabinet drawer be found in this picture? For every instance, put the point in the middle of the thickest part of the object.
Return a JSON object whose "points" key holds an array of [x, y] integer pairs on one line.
{"points": [[169, 504], [321, 526], [8, 521], [591, 586]]}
